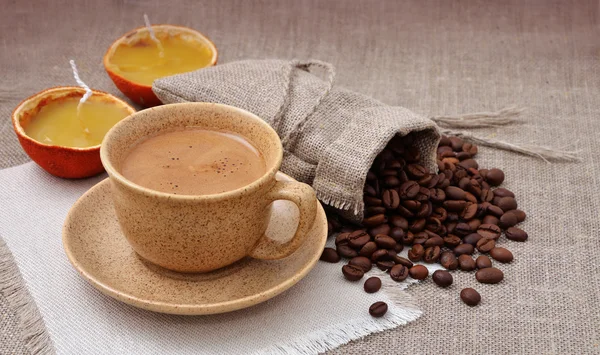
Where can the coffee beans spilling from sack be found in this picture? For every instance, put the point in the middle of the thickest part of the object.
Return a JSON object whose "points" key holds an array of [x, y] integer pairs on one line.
{"points": [[443, 217]]}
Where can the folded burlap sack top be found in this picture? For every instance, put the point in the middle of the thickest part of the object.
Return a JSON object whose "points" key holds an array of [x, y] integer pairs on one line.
{"points": [[330, 135]]}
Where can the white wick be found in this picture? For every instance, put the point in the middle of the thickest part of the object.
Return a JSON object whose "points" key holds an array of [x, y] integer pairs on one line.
{"points": [[153, 36], [88, 91]]}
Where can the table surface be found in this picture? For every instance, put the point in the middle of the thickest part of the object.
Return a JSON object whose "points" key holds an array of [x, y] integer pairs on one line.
{"points": [[433, 57]]}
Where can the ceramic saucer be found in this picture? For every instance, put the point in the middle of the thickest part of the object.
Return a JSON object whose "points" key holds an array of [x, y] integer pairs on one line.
{"points": [[98, 250]]}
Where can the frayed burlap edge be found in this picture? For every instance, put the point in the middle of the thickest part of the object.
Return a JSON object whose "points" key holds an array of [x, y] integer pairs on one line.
{"points": [[31, 324]]}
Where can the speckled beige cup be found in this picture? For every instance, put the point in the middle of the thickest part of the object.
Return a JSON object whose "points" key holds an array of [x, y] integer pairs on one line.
{"points": [[205, 232]]}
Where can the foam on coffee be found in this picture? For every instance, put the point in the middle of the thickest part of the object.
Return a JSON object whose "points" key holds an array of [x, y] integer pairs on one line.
{"points": [[193, 161]]}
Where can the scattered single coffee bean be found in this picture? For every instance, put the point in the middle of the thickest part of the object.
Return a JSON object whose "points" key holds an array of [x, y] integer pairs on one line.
{"points": [[516, 234], [442, 278], [385, 265], [482, 262], [470, 297], [507, 203], [358, 239], [368, 249], [495, 177], [399, 272], [448, 260], [362, 262], [385, 242], [330, 255], [464, 249], [484, 245], [346, 251], [416, 253], [418, 272], [378, 309], [502, 255], [472, 238], [435, 241], [403, 261], [489, 231], [372, 285], [508, 220], [432, 254], [352, 273], [519, 214], [466, 262], [489, 275]]}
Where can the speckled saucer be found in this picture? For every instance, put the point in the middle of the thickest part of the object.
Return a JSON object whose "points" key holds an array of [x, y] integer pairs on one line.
{"points": [[98, 250]]}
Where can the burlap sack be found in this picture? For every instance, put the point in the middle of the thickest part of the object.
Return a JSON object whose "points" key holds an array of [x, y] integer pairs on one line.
{"points": [[330, 135]]}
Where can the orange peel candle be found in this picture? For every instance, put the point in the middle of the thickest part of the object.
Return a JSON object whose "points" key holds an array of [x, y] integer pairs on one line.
{"points": [[135, 60], [60, 138]]}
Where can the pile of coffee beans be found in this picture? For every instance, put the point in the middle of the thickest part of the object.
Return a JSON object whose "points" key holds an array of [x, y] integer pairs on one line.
{"points": [[443, 217]]}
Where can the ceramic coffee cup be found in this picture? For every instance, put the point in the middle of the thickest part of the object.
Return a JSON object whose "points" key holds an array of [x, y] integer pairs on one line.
{"points": [[189, 233]]}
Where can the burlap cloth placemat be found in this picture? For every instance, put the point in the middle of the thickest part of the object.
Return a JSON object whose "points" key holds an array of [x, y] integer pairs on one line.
{"points": [[432, 57]]}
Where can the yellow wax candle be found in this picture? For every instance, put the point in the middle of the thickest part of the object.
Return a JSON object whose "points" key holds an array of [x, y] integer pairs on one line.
{"points": [[140, 62], [58, 122]]}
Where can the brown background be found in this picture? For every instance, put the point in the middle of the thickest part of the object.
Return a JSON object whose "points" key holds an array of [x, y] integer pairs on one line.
{"points": [[434, 57]]}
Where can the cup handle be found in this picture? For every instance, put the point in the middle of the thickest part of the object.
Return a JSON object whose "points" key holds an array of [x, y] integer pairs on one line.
{"points": [[304, 197]]}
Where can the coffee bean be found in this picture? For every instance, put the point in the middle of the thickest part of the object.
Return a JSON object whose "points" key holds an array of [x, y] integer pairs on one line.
{"points": [[462, 229], [455, 193], [346, 251], [385, 265], [408, 238], [440, 213], [445, 141], [489, 275], [452, 241], [380, 229], [330, 255], [516, 234], [372, 201], [373, 210], [403, 261], [368, 249], [519, 214], [469, 163], [423, 195], [358, 239], [416, 171], [425, 180], [489, 231], [507, 203], [472, 238], [409, 190], [432, 254], [482, 262], [372, 284], [474, 224], [483, 172], [399, 272], [502, 255], [464, 182], [470, 148], [417, 225], [362, 262], [378, 309], [405, 212], [391, 199], [397, 234], [416, 253], [463, 249], [391, 181], [470, 197], [470, 211], [389, 172], [487, 195], [448, 260], [412, 205], [502, 192], [425, 210], [463, 155], [418, 272], [470, 297], [380, 255], [370, 191], [442, 278], [385, 242], [433, 224], [456, 143], [420, 238], [484, 245], [455, 205], [507, 220], [398, 221], [466, 263], [374, 220], [434, 241], [495, 211], [341, 239], [437, 195], [352, 273], [495, 177], [450, 226], [489, 219]]}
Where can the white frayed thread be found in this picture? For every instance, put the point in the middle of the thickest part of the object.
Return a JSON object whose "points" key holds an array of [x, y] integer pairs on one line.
{"points": [[161, 52], [33, 330], [88, 91], [547, 154], [505, 116]]}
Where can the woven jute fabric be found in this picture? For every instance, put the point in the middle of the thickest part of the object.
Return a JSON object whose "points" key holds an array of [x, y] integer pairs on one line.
{"points": [[330, 135], [434, 58]]}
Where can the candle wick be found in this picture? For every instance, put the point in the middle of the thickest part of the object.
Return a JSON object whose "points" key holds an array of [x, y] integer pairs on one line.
{"points": [[161, 52], [88, 93]]}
